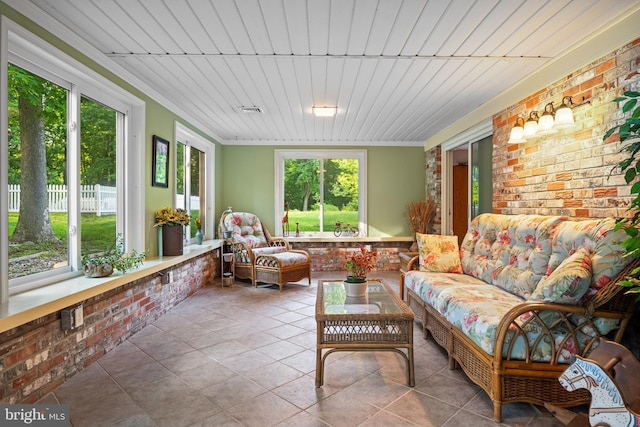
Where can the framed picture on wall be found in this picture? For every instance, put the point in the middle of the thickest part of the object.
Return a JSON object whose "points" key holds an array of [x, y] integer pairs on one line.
{"points": [[160, 167]]}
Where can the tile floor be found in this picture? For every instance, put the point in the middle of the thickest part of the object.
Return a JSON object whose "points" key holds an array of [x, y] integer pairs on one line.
{"points": [[239, 356]]}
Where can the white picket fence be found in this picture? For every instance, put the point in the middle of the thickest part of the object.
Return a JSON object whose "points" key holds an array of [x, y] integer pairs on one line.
{"points": [[194, 201], [98, 199]]}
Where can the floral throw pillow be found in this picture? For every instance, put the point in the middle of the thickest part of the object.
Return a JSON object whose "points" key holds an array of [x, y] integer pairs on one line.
{"points": [[439, 254], [568, 283]]}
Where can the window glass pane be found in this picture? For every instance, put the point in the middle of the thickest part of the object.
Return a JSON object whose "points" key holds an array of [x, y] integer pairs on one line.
{"points": [[302, 194], [196, 171], [322, 196], [37, 174], [98, 190], [341, 196], [180, 177]]}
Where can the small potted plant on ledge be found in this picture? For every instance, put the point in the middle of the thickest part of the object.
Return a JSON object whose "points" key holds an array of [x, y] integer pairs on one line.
{"points": [[104, 263], [358, 265]]}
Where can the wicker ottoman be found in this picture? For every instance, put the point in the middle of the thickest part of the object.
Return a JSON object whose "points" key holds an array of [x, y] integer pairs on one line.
{"points": [[283, 267]]}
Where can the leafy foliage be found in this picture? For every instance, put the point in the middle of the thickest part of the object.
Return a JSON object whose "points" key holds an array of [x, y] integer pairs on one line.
{"points": [[116, 257], [302, 183], [51, 99], [629, 134], [360, 263]]}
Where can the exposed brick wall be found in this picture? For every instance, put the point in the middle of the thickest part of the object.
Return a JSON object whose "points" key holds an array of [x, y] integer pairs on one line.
{"points": [[38, 356], [568, 173], [433, 171], [330, 256]]}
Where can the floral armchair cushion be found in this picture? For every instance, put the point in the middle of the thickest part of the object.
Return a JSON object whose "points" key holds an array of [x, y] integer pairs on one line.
{"points": [[439, 253], [246, 227]]}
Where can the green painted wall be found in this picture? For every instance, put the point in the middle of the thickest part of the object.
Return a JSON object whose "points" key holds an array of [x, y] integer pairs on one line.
{"points": [[395, 178], [159, 121]]}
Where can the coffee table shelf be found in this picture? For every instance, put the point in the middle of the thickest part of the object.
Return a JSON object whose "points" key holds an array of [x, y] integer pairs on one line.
{"points": [[380, 321]]}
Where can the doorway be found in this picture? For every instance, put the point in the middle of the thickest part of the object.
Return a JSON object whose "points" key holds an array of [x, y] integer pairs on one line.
{"points": [[467, 182]]}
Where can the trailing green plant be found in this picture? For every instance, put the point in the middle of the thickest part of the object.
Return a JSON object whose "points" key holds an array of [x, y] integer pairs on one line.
{"points": [[629, 133], [116, 257]]}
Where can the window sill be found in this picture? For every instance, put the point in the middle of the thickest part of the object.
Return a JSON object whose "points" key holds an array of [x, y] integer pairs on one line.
{"points": [[31, 305], [349, 239]]}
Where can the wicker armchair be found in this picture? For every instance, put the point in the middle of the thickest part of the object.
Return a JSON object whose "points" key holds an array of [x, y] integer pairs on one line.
{"points": [[250, 238]]}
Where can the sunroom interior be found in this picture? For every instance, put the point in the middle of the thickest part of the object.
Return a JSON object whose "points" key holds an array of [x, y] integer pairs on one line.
{"points": [[423, 97]]}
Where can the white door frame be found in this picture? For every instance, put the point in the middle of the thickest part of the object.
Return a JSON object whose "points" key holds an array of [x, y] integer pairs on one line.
{"points": [[469, 136]]}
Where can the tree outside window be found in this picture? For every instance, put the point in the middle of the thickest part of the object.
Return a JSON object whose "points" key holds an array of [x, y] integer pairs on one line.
{"points": [[322, 190], [40, 174]]}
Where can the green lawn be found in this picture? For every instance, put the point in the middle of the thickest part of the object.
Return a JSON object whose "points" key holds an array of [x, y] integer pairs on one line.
{"points": [[309, 220], [98, 233]]}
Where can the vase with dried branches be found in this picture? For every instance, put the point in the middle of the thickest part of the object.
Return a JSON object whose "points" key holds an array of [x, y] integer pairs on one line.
{"points": [[421, 215]]}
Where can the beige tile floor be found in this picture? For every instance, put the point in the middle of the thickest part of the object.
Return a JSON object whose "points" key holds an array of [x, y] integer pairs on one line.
{"points": [[240, 356]]}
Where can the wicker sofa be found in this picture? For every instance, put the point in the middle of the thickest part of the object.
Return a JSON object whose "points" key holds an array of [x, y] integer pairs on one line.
{"points": [[533, 292]]}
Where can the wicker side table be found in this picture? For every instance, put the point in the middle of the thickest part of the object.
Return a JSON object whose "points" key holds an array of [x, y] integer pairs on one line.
{"points": [[380, 321]]}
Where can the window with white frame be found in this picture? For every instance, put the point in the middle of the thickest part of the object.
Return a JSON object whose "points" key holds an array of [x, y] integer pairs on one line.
{"points": [[71, 158], [194, 180], [321, 193]]}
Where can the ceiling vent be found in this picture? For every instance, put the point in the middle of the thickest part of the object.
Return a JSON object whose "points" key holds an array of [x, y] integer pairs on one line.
{"points": [[251, 110]]}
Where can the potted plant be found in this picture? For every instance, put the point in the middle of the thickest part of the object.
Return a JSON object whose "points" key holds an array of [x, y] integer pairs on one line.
{"points": [[114, 258], [629, 134], [172, 221], [358, 265]]}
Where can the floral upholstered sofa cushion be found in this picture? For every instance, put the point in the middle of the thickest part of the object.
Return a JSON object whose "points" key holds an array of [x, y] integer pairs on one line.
{"points": [[505, 258]]}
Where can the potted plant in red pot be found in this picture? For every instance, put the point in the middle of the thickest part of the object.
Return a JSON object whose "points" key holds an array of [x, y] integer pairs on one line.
{"points": [[358, 265]]}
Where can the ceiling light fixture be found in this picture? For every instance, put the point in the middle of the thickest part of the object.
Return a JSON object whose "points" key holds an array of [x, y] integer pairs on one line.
{"points": [[550, 122], [324, 111]]}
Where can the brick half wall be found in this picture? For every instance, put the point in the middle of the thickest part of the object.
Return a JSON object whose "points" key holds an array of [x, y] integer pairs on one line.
{"points": [[330, 256], [38, 356]]}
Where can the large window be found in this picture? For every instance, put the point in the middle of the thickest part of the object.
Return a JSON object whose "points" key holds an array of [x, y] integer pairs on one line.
{"points": [[321, 193], [68, 184], [194, 171]]}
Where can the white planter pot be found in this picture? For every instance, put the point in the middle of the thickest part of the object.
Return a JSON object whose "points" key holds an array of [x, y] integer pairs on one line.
{"points": [[355, 289]]}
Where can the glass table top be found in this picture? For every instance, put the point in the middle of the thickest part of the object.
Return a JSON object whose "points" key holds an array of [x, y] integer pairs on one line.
{"points": [[378, 299]]}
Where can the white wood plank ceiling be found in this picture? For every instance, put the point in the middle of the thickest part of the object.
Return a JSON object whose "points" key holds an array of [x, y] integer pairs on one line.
{"points": [[399, 71]]}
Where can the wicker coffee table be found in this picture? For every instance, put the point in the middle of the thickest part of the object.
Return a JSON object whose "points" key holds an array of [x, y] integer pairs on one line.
{"points": [[380, 321]]}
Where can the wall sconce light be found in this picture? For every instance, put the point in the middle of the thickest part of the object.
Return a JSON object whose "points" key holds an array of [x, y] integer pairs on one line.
{"points": [[517, 132], [531, 125], [324, 111], [550, 121], [546, 122], [564, 115]]}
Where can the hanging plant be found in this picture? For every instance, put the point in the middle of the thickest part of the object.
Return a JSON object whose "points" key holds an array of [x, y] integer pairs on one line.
{"points": [[629, 134]]}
